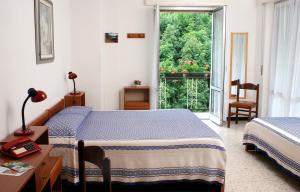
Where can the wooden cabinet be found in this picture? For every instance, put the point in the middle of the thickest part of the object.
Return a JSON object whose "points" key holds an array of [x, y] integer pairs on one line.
{"points": [[75, 100], [42, 174], [45, 175], [136, 98], [40, 135]]}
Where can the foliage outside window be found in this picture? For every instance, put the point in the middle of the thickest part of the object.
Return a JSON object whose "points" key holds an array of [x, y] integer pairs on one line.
{"points": [[185, 57]]}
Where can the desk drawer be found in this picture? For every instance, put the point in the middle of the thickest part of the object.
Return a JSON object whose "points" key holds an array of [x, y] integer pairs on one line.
{"points": [[136, 105], [42, 174], [56, 166]]}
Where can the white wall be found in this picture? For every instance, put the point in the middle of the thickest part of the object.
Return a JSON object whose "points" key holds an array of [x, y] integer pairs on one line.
{"points": [[86, 44], [18, 69], [131, 59], [241, 17], [186, 2], [104, 69]]}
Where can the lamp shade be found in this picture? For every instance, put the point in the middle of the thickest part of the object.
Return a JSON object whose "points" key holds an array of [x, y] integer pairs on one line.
{"points": [[72, 75], [40, 96]]}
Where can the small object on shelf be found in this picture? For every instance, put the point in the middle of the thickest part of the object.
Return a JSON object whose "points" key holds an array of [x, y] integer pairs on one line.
{"points": [[137, 98], [75, 100], [36, 96], [73, 76], [137, 82]]}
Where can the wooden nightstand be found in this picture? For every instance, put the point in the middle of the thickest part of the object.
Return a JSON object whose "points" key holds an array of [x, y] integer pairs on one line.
{"points": [[137, 98], [40, 135], [45, 175], [75, 100]]}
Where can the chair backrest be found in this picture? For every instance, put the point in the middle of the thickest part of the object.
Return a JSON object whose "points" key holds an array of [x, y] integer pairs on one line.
{"points": [[235, 83], [249, 86], [96, 156]]}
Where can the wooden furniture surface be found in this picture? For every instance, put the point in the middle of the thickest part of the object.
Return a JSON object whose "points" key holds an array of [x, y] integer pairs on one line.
{"points": [[40, 135], [26, 181], [137, 98], [55, 176], [45, 176], [96, 156], [136, 35], [75, 100], [244, 105]]}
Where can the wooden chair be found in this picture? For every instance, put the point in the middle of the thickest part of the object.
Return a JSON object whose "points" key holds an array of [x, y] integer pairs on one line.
{"points": [[235, 83], [96, 156], [244, 106]]}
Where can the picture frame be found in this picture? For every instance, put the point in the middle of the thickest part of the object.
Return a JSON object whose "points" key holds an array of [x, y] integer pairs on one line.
{"points": [[111, 37], [44, 31]]}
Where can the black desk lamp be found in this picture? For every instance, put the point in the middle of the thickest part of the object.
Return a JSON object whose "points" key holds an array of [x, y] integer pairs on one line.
{"points": [[36, 96]]}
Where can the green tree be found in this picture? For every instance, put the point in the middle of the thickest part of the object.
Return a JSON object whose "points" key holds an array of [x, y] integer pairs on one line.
{"points": [[185, 46]]}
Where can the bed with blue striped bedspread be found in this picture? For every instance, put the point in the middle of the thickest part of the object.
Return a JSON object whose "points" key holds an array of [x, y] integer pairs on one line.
{"points": [[279, 137], [144, 146]]}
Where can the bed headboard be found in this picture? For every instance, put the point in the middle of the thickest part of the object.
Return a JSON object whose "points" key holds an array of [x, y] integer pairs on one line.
{"points": [[43, 118]]}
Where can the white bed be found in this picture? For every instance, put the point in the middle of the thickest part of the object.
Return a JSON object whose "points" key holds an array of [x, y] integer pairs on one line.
{"points": [[279, 138], [143, 146]]}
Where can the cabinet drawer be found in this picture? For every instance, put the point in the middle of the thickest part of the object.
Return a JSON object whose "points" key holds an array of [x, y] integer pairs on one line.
{"points": [[42, 174], [56, 166], [135, 105]]}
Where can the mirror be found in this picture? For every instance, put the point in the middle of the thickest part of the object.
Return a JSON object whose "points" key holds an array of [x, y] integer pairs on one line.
{"points": [[238, 62]]}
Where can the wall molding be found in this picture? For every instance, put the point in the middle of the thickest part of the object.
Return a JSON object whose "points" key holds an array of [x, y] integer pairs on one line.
{"points": [[260, 2], [186, 2]]}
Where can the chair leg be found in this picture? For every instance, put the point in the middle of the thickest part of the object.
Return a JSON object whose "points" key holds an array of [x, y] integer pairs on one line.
{"points": [[229, 116], [256, 112], [249, 114], [106, 175], [236, 116]]}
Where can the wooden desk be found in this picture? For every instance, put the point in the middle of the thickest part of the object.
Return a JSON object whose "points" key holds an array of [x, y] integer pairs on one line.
{"points": [[45, 176], [40, 135], [25, 182]]}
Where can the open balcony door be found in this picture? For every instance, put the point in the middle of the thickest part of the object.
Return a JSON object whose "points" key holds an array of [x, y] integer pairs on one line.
{"points": [[217, 67]]}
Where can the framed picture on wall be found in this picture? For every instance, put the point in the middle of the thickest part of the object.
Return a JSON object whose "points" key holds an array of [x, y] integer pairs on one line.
{"points": [[111, 37], [44, 31]]}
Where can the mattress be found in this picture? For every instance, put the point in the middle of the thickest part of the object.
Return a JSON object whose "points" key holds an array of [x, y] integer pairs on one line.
{"points": [[143, 146], [279, 137]]}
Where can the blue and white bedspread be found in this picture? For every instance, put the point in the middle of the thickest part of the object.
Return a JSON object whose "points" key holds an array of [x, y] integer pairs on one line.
{"points": [[143, 146], [279, 137]]}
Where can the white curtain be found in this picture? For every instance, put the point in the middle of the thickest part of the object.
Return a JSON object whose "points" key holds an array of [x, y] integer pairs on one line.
{"points": [[265, 17], [155, 63], [285, 60]]}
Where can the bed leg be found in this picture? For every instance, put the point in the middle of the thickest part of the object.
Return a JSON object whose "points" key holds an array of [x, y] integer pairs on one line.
{"points": [[250, 147], [222, 188], [219, 188]]}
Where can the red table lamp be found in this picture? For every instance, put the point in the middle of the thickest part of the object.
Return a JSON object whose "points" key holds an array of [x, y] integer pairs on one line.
{"points": [[36, 96], [73, 76]]}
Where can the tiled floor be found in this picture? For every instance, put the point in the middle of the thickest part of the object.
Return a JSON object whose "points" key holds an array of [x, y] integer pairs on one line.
{"points": [[251, 172]]}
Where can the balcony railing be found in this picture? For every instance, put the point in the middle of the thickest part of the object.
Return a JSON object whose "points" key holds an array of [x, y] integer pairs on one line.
{"points": [[184, 90]]}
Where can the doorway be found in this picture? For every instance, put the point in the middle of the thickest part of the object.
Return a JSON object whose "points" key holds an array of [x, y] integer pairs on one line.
{"points": [[191, 60]]}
